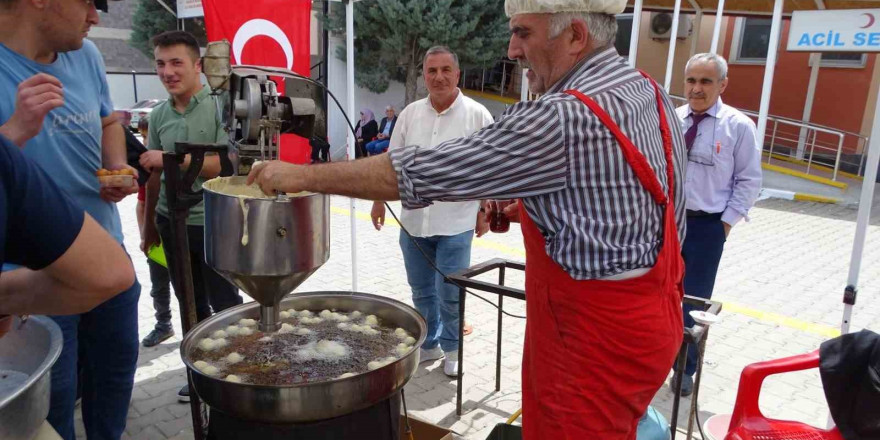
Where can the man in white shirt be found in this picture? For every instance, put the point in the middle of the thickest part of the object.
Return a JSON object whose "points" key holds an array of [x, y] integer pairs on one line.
{"points": [[444, 230], [723, 178]]}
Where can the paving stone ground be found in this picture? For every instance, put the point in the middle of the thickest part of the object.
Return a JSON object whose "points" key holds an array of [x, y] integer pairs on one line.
{"points": [[781, 279]]}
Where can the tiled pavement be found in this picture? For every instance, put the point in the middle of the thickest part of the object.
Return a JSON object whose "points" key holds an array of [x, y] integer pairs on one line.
{"points": [[781, 278]]}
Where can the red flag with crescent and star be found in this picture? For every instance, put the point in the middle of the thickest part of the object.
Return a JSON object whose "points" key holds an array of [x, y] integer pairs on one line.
{"points": [[271, 33]]}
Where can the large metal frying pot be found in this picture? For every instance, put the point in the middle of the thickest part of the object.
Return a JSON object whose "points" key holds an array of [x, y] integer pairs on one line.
{"points": [[311, 401], [27, 351]]}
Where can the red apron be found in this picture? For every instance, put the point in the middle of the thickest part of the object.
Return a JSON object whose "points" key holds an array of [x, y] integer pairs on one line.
{"points": [[597, 351]]}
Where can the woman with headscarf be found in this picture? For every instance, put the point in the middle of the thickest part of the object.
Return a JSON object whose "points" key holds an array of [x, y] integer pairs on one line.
{"points": [[367, 129]]}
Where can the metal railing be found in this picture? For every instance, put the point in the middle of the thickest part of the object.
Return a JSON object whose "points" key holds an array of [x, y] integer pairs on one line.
{"points": [[804, 140]]}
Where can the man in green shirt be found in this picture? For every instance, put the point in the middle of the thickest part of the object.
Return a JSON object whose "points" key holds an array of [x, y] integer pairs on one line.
{"points": [[190, 116]]}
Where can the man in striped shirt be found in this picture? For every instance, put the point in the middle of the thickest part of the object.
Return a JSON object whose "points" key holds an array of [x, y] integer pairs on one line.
{"points": [[598, 163]]}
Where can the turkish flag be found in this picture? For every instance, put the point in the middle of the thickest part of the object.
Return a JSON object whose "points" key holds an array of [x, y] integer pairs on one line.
{"points": [[273, 33]]}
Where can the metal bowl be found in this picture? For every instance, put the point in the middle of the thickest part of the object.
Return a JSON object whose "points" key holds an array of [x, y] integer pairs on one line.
{"points": [[310, 401], [30, 350]]}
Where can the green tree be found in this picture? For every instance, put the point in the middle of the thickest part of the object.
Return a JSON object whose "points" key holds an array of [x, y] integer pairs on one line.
{"points": [[151, 18], [392, 36]]}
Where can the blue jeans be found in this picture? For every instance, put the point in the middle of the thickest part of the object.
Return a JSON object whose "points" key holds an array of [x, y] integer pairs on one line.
{"points": [[107, 337], [701, 252], [436, 300], [378, 146]]}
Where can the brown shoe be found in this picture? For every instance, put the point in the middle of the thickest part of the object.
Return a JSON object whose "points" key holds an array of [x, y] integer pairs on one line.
{"points": [[468, 329]]}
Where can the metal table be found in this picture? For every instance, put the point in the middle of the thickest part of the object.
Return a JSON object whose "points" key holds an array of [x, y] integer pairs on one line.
{"points": [[696, 335]]}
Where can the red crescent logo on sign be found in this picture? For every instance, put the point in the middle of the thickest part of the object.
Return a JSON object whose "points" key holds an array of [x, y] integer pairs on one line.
{"points": [[870, 20]]}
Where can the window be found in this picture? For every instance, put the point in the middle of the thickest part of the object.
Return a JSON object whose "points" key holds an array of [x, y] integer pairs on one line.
{"points": [[624, 34], [750, 41], [843, 59]]}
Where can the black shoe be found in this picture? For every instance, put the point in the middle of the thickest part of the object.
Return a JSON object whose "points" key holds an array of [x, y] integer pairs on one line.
{"points": [[183, 394], [687, 385], [156, 336]]}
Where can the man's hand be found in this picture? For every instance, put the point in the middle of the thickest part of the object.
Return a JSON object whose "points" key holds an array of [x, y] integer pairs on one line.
{"points": [[276, 176], [151, 160], [149, 236], [35, 98], [512, 211], [378, 215], [727, 228], [482, 219], [116, 194], [381, 136]]}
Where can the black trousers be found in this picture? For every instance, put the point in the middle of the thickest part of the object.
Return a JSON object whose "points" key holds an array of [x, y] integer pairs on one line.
{"points": [[702, 249], [212, 291]]}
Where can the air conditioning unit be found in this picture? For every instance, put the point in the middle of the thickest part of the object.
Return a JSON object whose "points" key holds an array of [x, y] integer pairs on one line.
{"points": [[661, 26]]}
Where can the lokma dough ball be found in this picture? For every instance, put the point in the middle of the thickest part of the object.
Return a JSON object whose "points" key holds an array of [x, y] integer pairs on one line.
{"points": [[409, 340], [402, 349], [233, 378], [343, 326], [248, 322], [200, 365], [220, 343], [246, 331], [356, 314], [211, 370], [372, 320], [284, 315], [292, 312], [232, 330], [302, 331], [326, 314], [234, 358], [305, 313], [219, 334], [286, 328], [331, 348], [266, 339], [400, 333], [207, 344]]}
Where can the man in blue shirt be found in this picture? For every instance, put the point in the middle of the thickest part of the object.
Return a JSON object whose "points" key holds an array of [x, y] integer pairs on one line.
{"points": [[55, 105], [386, 129], [71, 264], [723, 179]]}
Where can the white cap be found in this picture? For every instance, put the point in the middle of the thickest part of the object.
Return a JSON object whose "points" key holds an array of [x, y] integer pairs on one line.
{"points": [[514, 7]]}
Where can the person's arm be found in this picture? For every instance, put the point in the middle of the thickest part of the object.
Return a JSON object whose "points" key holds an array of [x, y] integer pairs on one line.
{"points": [[524, 155], [92, 270], [34, 99], [71, 263], [746, 176], [149, 232]]}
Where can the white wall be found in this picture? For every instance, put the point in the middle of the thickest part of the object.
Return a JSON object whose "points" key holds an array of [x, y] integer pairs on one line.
{"points": [[122, 88]]}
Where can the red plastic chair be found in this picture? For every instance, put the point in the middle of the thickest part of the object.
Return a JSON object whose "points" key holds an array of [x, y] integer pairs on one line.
{"points": [[747, 422]]}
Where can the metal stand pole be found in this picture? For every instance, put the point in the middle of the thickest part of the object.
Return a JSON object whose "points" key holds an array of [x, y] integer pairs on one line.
{"points": [[181, 197], [182, 272]]}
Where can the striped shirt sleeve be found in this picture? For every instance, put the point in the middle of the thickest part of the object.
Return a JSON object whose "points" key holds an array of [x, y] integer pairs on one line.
{"points": [[522, 155]]}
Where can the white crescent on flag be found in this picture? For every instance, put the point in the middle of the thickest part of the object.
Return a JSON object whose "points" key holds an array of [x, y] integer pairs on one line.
{"points": [[259, 26]]}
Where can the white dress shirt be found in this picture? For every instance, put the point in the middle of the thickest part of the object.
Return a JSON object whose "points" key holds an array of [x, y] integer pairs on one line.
{"points": [[420, 125], [724, 164]]}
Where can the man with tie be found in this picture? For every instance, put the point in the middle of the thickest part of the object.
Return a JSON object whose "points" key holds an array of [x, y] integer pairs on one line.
{"points": [[723, 179]]}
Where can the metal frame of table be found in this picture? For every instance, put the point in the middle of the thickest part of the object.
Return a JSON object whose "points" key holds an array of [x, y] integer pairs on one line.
{"points": [[696, 335]]}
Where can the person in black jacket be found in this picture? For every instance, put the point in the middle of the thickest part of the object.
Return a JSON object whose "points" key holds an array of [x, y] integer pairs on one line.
{"points": [[379, 145], [365, 130]]}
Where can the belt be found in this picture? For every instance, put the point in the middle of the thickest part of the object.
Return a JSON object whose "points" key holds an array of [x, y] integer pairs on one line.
{"points": [[697, 213]]}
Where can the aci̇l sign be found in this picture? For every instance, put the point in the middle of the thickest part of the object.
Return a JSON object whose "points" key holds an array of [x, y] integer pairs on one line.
{"points": [[841, 30]]}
